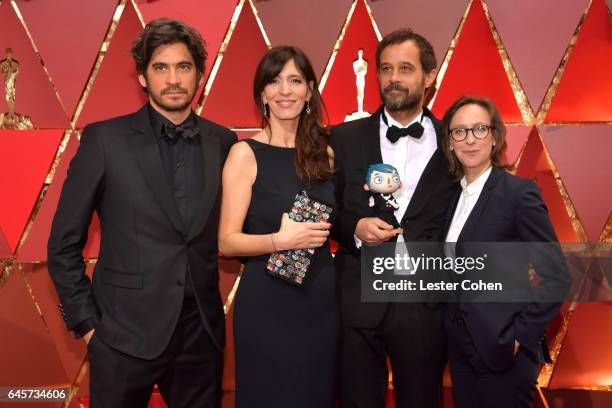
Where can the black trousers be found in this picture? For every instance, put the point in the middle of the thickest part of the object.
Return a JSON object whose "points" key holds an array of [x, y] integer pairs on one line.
{"points": [[188, 373], [412, 336], [476, 386]]}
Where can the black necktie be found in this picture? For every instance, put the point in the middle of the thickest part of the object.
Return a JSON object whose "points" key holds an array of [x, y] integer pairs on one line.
{"points": [[394, 133], [186, 130]]}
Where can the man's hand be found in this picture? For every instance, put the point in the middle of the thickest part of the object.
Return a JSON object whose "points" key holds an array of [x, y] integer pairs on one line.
{"points": [[375, 231], [88, 336]]}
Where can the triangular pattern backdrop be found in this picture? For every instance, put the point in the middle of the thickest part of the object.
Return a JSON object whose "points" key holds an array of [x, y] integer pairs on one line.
{"points": [[536, 49], [437, 20], [546, 64], [585, 90], [339, 90], [568, 146], [115, 90], [34, 92], [78, 30], [476, 68], [22, 174], [34, 248], [212, 24], [236, 72]]}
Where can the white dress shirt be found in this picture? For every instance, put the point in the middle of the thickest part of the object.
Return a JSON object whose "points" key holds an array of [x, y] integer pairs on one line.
{"points": [[467, 201], [409, 156]]}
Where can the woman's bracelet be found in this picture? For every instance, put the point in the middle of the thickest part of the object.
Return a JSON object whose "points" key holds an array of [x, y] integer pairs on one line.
{"points": [[273, 245]]}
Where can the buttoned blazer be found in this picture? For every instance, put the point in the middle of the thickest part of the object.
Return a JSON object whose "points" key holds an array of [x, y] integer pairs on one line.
{"points": [[136, 294]]}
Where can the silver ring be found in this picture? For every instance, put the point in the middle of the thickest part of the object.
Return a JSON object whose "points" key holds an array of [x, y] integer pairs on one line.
{"points": [[312, 245]]}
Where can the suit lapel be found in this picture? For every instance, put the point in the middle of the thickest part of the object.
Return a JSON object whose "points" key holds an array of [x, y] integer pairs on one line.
{"points": [[210, 178], [472, 221], [450, 212], [148, 157], [370, 140], [430, 178]]}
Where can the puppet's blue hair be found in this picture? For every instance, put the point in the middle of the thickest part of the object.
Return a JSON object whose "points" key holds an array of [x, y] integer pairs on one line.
{"points": [[381, 168]]}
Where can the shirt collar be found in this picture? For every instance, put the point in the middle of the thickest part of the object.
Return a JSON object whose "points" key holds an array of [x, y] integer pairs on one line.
{"points": [[476, 185], [393, 122], [158, 120]]}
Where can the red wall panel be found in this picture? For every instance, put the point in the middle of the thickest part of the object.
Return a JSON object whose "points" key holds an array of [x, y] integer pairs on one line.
{"points": [[534, 35], [476, 69], [340, 92]]}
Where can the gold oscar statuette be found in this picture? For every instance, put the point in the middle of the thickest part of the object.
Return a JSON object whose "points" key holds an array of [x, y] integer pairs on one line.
{"points": [[360, 67], [9, 67]]}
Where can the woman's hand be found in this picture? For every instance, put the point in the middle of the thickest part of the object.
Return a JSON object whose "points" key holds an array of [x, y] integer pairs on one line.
{"points": [[300, 235], [517, 345]]}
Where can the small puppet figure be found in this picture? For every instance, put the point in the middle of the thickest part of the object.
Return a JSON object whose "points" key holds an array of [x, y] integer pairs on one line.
{"points": [[382, 181]]}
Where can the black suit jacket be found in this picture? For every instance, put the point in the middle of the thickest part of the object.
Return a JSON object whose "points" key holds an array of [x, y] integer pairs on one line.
{"points": [[510, 209], [356, 145], [138, 283]]}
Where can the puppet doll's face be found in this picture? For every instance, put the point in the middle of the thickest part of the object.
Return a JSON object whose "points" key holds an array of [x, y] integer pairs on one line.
{"points": [[385, 183]]}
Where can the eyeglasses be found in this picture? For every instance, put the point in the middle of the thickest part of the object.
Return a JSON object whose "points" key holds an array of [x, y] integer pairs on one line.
{"points": [[479, 132]]}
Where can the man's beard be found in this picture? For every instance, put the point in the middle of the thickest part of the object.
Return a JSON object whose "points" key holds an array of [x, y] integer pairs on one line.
{"points": [[406, 101], [173, 108]]}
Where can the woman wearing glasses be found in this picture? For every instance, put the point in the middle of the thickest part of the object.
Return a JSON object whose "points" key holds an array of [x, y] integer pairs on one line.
{"points": [[495, 350]]}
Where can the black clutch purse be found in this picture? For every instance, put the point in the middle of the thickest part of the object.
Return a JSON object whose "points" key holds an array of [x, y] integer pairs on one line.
{"points": [[292, 265]]}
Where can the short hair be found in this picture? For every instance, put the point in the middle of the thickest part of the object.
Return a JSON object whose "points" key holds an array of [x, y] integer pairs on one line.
{"points": [[427, 55], [381, 168], [164, 31], [498, 132]]}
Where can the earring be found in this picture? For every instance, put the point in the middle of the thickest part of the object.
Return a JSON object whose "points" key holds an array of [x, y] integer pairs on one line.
{"points": [[308, 107], [265, 109]]}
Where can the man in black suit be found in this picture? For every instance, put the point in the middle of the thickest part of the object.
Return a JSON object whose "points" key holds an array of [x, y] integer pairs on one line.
{"points": [[153, 313], [406, 135]]}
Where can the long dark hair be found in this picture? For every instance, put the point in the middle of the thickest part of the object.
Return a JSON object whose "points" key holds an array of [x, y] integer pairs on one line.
{"points": [[498, 131], [312, 138]]}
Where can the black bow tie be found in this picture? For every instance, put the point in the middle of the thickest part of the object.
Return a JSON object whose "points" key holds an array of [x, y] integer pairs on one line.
{"points": [[394, 133], [187, 131]]}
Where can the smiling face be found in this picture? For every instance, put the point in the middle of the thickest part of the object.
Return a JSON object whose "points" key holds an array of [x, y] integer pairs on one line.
{"points": [[171, 78], [287, 93], [401, 77], [473, 154], [384, 182]]}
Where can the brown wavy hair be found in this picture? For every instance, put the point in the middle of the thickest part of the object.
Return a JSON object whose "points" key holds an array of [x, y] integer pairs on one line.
{"points": [[499, 134], [164, 31], [312, 138]]}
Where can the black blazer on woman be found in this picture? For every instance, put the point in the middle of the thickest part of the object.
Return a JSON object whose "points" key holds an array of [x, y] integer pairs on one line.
{"points": [[510, 209]]}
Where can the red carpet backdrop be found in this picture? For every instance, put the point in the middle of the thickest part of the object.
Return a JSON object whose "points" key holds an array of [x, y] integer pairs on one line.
{"points": [[547, 64]]}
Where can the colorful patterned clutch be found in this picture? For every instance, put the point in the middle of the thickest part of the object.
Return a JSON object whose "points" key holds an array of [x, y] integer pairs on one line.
{"points": [[292, 265]]}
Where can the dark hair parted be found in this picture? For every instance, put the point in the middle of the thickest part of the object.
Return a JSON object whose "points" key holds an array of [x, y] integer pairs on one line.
{"points": [[426, 51], [165, 31], [312, 138], [499, 134]]}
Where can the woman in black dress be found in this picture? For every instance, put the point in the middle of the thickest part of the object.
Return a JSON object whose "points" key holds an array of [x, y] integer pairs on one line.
{"points": [[286, 336]]}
